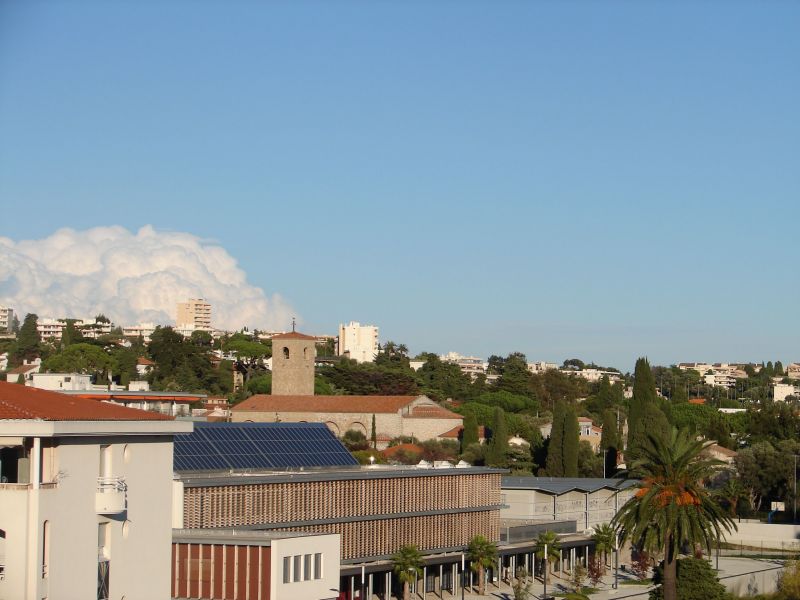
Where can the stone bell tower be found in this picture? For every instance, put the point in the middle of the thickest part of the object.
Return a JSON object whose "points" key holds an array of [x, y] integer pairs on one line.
{"points": [[293, 364]]}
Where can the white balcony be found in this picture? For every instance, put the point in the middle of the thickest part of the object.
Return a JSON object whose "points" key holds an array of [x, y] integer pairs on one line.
{"points": [[111, 496]]}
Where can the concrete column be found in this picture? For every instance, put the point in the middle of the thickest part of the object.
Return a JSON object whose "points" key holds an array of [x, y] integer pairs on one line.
{"points": [[424, 582], [561, 561]]}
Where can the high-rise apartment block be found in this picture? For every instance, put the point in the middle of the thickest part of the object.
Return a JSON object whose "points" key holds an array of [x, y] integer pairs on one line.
{"points": [[359, 342], [195, 313], [6, 319]]}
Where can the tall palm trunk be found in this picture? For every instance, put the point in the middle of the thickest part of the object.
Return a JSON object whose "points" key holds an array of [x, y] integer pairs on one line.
{"points": [[481, 581], [670, 572]]}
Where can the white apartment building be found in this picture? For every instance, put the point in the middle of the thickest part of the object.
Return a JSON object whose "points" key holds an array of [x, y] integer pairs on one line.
{"points": [[541, 367], [145, 330], [6, 319], [85, 498], [793, 371], [194, 314], [48, 328], [469, 365], [359, 342], [594, 375], [782, 390]]}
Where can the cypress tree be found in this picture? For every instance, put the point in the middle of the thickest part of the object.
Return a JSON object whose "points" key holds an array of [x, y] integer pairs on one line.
{"points": [[644, 394], [470, 434], [571, 439], [555, 456], [609, 441], [28, 338], [373, 436], [498, 446], [605, 396]]}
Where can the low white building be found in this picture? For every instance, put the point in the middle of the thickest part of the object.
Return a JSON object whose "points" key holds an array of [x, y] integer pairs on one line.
{"points": [[85, 498], [57, 382]]}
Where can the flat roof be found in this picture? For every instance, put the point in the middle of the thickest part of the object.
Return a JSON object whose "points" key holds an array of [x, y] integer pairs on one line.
{"points": [[219, 478], [237, 536], [562, 485]]}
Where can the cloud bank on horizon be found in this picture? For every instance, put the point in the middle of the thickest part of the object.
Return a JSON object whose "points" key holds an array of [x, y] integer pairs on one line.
{"points": [[132, 278]]}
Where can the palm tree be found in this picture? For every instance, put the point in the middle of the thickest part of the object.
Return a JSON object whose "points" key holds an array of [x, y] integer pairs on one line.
{"points": [[549, 540], [407, 566], [604, 537], [482, 554], [671, 507], [731, 493]]}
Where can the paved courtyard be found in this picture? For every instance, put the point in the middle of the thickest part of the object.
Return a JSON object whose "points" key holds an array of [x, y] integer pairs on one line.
{"points": [[740, 574]]}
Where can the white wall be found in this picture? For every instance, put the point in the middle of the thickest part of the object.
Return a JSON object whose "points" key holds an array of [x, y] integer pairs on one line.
{"points": [[140, 560], [320, 589]]}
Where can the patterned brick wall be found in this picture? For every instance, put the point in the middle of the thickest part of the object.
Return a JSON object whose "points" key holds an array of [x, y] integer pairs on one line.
{"points": [[458, 497]]}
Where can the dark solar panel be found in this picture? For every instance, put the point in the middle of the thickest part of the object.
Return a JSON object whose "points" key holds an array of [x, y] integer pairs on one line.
{"points": [[224, 446]]}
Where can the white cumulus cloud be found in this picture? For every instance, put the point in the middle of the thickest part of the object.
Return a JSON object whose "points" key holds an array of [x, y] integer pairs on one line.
{"points": [[131, 278]]}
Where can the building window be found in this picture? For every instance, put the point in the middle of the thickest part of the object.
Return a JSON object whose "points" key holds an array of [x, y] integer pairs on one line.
{"points": [[297, 568], [45, 547], [306, 567], [318, 566], [103, 551], [287, 569], [285, 353]]}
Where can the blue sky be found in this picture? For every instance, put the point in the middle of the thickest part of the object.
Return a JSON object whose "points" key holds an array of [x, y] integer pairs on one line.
{"points": [[599, 180]]}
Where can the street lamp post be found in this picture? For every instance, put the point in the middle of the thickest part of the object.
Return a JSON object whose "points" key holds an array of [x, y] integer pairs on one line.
{"points": [[545, 571], [463, 576]]}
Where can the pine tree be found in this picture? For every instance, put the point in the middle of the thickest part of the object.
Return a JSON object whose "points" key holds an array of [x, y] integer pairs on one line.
{"points": [[555, 449], [498, 446], [470, 435], [570, 444]]}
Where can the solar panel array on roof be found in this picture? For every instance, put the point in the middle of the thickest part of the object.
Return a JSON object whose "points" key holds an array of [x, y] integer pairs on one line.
{"points": [[225, 446]]}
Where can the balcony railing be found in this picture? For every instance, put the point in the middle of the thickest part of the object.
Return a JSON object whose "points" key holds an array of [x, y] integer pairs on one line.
{"points": [[27, 486], [111, 496], [111, 484]]}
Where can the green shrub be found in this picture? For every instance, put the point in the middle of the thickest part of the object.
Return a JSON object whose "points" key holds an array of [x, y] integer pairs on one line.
{"points": [[696, 581]]}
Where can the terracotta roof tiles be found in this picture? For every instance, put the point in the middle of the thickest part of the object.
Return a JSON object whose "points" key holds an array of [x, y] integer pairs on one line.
{"points": [[293, 335], [18, 402], [331, 404]]}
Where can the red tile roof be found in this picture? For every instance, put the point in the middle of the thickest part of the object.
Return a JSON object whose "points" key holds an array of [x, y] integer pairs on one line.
{"points": [[455, 432], [432, 412], [22, 369], [23, 402], [332, 404], [391, 451], [144, 361], [293, 335]]}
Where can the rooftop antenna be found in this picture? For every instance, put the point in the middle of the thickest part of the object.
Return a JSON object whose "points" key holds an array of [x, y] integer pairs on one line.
{"points": [[293, 325]]}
